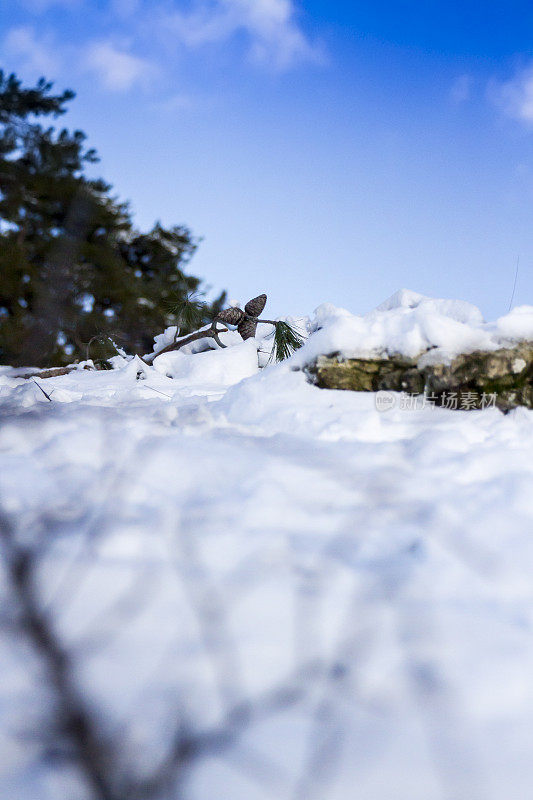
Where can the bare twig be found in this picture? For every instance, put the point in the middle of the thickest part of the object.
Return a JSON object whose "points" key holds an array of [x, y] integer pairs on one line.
{"points": [[210, 333], [74, 722], [49, 373], [42, 390]]}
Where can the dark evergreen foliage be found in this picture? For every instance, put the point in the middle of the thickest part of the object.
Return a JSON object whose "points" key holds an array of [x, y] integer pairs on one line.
{"points": [[72, 265]]}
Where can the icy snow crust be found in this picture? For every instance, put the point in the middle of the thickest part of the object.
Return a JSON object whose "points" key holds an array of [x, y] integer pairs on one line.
{"points": [[396, 548]]}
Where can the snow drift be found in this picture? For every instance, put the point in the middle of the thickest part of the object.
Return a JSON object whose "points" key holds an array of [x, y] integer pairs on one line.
{"points": [[342, 596]]}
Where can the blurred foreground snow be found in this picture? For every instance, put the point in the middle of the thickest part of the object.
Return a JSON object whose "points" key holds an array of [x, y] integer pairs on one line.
{"points": [[261, 590]]}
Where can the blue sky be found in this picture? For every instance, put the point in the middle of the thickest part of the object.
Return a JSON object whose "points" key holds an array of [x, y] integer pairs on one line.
{"points": [[325, 151]]}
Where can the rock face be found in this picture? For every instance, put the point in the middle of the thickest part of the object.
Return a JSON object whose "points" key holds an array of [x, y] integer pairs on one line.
{"points": [[501, 377]]}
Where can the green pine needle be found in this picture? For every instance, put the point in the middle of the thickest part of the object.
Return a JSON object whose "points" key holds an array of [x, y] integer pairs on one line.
{"points": [[189, 312], [286, 340]]}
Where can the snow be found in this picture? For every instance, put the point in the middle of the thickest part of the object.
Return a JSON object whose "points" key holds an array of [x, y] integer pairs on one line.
{"points": [[223, 367], [208, 534], [410, 324]]}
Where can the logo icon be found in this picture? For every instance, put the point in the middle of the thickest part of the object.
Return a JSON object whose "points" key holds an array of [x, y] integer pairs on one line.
{"points": [[385, 401]]}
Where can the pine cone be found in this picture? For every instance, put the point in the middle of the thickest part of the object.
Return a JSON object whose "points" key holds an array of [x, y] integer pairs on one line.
{"points": [[231, 316], [247, 328], [246, 320], [254, 307]]}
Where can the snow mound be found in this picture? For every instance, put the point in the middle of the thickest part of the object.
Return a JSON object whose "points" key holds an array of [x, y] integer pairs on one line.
{"points": [[459, 310], [215, 367], [410, 324]]}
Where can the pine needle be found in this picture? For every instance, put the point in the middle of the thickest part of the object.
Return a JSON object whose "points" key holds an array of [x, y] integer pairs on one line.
{"points": [[286, 341], [189, 311]]}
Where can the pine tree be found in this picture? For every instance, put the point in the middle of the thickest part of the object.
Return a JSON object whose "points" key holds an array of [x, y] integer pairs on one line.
{"points": [[73, 268]]}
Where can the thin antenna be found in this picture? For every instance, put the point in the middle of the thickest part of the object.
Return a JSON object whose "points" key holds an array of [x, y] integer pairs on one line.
{"points": [[515, 279]]}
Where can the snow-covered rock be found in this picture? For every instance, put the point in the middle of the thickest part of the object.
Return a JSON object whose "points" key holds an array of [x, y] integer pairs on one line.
{"points": [[409, 324], [413, 343]]}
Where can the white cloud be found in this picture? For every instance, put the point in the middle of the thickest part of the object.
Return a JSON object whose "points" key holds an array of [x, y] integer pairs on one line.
{"points": [[515, 96], [118, 69], [275, 37], [115, 66], [30, 53]]}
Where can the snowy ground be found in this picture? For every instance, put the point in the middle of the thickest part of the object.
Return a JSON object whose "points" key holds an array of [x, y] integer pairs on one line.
{"points": [[231, 532]]}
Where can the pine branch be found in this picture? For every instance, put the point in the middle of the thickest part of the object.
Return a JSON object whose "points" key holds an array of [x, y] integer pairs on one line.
{"points": [[189, 311], [286, 341]]}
